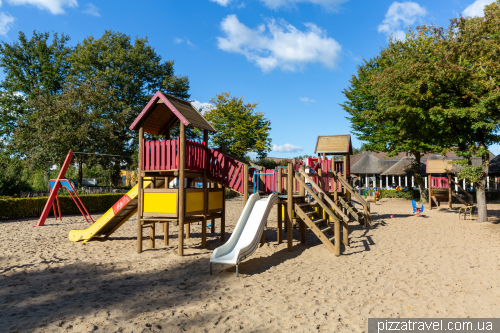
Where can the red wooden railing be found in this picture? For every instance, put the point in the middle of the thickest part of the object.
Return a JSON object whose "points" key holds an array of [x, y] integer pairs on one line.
{"points": [[164, 155], [439, 182]]}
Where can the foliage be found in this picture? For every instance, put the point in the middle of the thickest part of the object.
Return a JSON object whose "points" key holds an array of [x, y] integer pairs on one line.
{"points": [[82, 98], [13, 181], [133, 71], [238, 127], [19, 208], [267, 163], [32, 67], [410, 194]]}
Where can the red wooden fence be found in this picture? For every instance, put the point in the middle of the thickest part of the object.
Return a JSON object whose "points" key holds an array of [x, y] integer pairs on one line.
{"points": [[164, 155], [439, 182]]}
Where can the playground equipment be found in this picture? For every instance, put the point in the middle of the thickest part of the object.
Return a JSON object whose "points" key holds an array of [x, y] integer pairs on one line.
{"points": [[465, 210], [440, 188], [65, 183], [247, 233], [416, 209], [163, 160], [55, 185]]}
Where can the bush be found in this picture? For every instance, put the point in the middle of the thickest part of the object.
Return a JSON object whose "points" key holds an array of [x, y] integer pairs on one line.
{"points": [[18, 208], [408, 195], [267, 163]]}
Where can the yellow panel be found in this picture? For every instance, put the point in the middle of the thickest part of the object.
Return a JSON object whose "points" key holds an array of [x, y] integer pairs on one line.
{"points": [[160, 203], [215, 200], [194, 202], [283, 213]]}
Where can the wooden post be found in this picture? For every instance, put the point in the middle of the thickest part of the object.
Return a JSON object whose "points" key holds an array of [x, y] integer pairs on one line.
{"points": [[429, 177], [449, 192], [280, 223], [337, 236], [165, 232], [289, 207], [245, 184], [152, 236], [320, 195], [141, 191], [261, 179], [182, 191], [205, 194], [302, 225], [223, 216], [344, 169], [278, 181]]}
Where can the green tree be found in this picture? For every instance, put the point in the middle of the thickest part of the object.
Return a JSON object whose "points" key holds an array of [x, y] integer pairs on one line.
{"points": [[133, 71], [466, 77], [382, 110], [238, 127], [438, 90]]}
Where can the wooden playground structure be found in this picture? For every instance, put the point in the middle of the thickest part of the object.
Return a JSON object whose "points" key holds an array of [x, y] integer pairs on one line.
{"points": [[163, 160], [441, 187]]}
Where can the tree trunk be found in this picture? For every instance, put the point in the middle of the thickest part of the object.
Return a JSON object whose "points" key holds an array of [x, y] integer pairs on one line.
{"points": [[46, 176], [80, 172], [482, 209], [418, 177]]}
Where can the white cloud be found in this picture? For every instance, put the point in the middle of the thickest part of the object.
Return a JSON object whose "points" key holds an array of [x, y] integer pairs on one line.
{"points": [[277, 4], [253, 153], [307, 100], [477, 8], [204, 106], [222, 2], [399, 16], [92, 10], [286, 148], [6, 21], [54, 6], [327, 4], [279, 44], [180, 40]]}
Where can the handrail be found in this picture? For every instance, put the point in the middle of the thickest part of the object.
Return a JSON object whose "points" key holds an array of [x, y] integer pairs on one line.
{"points": [[350, 189], [320, 202], [318, 188]]}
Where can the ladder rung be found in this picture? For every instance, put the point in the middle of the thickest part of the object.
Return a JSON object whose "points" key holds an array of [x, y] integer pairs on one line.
{"points": [[318, 221], [304, 204], [310, 212], [327, 229]]}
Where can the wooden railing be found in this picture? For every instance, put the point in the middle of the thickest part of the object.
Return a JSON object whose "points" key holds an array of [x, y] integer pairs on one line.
{"points": [[164, 155], [439, 182]]}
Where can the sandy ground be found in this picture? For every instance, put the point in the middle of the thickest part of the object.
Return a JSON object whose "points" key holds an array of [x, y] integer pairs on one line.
{"points": [[433, 266]]}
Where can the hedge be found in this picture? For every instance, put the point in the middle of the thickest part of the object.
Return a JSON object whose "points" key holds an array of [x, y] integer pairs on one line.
{"points": [[408, 195], [18, 208]]}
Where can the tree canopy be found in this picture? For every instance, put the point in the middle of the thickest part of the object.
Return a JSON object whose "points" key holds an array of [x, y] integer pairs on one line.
{"points": [[435, 91], [55, 97], [238, 127]]}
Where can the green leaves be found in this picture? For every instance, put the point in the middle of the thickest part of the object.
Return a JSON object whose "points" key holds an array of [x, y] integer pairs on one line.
{"points": [[238, 127]]}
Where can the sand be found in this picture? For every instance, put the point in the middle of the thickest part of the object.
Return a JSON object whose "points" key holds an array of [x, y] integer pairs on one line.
{"points": [[433, 266]]}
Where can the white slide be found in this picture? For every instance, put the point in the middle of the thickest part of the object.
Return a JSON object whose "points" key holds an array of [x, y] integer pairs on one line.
{"points": [[246, 235]]}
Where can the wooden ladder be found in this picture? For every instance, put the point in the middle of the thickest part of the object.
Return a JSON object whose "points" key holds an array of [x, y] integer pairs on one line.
{"points": [[319, 226]]}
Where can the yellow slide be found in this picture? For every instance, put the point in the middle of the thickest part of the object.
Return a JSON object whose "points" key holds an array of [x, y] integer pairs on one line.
{"points": [[121, 211]]}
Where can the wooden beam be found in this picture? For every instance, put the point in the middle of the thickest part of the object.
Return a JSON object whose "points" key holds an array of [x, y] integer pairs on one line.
{"points": [[289, 207], [327, 199], [302, 226], [182, 191], [140, 190], [205, 194], [245, 184]]}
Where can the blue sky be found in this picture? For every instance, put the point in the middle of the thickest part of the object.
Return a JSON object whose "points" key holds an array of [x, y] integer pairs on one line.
{"points": [[293, 57]]}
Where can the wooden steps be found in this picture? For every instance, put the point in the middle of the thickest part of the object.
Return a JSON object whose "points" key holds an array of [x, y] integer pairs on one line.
{"points": [[319, 226]]}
